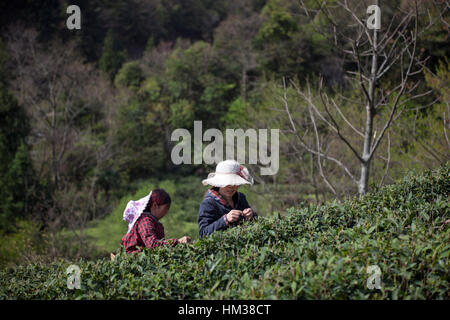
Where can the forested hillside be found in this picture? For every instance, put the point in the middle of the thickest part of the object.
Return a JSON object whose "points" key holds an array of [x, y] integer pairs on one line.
{"points": [[86, 118]]}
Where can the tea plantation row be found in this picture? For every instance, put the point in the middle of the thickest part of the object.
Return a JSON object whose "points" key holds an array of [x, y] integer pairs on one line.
{"points": [[308, 253]]}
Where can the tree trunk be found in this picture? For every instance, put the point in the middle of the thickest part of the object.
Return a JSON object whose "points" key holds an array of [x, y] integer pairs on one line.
{"points": [[363, 184], [244, 85], [364, 181], [370, 113]]}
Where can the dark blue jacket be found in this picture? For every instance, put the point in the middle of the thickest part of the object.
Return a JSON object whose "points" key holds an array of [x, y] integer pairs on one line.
{"points": [[211, 215]]}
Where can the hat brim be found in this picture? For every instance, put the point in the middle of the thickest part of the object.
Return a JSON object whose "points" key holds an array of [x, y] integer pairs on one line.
{"points": [[223, 180]]}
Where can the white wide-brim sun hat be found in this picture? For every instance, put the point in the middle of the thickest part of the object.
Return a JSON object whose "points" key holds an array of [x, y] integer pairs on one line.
{"points": [[229, 173]]}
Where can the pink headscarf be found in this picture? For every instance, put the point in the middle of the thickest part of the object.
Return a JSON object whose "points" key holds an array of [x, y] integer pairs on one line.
{"points": [[134, 210]]}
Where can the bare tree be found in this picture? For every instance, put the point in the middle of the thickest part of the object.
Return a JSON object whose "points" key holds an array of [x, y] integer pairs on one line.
{"points": [[375, 55]]}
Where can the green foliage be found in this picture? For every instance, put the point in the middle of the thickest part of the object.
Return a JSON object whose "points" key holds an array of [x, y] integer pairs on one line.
{"points": [[186, 68], [111, 59], [181, 114], [195, 75], [429, 127], [308, 253], [440, 81], [290, 46], [130, 76], [237, 114], [24, 243], [149, 90], [280, 24], [16, 174], [16, 191], [277, 41], [5, 75], [140, 126]]}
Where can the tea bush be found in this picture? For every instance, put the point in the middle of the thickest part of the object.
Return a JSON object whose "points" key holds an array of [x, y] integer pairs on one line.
{"points": [[315, 252]]}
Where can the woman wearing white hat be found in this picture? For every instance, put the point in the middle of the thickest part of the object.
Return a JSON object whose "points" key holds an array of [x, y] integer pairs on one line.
{"points": [[223, 206]]}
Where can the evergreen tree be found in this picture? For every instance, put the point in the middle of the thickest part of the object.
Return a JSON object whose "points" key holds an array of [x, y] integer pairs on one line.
{"points": [[16, 174], [111, 59]]}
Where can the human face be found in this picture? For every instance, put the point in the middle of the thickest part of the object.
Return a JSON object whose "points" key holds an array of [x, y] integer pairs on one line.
{"points": [[160, 211], [228, 191]]}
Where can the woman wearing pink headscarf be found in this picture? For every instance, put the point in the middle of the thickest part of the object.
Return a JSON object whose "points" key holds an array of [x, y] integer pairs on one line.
{"points": [[144, 228]]}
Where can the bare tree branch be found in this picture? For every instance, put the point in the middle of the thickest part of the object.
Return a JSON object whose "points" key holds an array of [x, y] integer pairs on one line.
{"points": [[305, 146], [311, 115], [388, 161], [394, 108], [446, 123]]}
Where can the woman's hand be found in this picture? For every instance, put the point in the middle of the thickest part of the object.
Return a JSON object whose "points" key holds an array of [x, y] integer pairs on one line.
{"points": [[184, 239], [233, 215], [248, 213]]}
